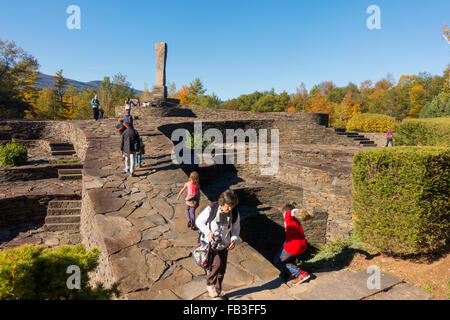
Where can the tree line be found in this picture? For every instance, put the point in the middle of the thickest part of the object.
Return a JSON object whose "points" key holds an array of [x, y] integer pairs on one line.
{"points": [[413, 96]]}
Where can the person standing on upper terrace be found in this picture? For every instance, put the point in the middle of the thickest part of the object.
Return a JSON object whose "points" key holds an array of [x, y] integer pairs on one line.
{"points": [[128, 104], [95, 107]]}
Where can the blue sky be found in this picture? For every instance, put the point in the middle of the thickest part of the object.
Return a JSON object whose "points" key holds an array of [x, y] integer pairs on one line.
{"points": [[234, 47]]}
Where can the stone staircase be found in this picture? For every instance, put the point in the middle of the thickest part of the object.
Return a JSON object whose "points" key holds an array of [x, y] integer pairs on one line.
{"points": [[63, 215], [70, 174], [62, 149], [363, 141]]}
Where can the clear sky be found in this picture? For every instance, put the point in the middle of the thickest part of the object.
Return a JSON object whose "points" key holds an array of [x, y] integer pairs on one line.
{"points": [[233, 46]]}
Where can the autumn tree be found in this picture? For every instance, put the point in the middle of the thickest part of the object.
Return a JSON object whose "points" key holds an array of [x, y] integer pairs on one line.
{"points": [[418, 98], [318, 102], [299, 99], [105, 96], [172, 90], [183, 95], [146, 94], [18, 72], [69, 112]]}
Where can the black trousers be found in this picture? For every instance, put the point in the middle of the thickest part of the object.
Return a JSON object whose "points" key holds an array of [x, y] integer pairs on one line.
{"points": [[95, 110]]}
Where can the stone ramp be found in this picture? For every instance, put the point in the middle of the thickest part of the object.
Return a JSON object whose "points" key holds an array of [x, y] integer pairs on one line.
{"points": [[330, 285]]}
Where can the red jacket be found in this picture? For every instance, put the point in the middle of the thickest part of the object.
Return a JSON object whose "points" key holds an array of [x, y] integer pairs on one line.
{"points": [[295, 238]]}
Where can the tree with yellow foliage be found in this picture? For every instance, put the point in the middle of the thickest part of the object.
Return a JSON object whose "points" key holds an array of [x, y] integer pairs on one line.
{"points": [[418, 98], [183, 95], [318, 103]]}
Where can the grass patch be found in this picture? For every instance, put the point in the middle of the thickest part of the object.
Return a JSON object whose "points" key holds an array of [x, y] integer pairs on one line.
{"points": [[335, 255], [427, 288]]}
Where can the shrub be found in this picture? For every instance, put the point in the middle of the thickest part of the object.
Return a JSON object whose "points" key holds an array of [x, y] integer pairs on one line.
{"points": [[13, 154], [424, 132], [195, 141], [400, 199], [36, 272], [438, 107], [371, 122]]}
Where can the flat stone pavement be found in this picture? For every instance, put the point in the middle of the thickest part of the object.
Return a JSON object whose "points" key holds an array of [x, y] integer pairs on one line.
{"points": [[147, 242]]}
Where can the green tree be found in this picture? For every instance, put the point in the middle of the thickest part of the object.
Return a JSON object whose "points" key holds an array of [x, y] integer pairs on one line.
{"points": [[105, 96], [121, 89], [18, 72], [439, 107], [196, 88], [60, 90], [83, 109]]}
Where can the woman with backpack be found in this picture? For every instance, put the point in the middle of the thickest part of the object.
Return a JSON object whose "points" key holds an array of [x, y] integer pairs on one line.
{"points": [[219, 224], [130, 144]]}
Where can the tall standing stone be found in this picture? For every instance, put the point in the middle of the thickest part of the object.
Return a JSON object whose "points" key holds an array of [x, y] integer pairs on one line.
{"points": [[160, 89]]}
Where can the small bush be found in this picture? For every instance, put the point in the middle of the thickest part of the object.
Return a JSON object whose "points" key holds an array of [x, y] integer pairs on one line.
{"points": [[13, 154], [195, 141], [39, 273], [371, 122], [424, 132], [400, 199]]}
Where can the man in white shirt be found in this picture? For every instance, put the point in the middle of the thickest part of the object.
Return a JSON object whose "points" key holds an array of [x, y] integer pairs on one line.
{"points": [[220, 226]]}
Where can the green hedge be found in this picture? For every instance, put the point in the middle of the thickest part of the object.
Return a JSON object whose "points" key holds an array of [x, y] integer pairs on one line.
{"points": [[424, 132], [39, 273], [401, 199], [371, 122], [13, 154]]}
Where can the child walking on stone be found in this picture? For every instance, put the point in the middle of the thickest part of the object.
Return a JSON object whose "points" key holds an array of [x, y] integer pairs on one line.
{"points": [[192, 198], [293, 247]]}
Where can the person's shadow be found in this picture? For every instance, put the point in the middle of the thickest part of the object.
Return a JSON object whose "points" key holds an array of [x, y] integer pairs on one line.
{"points": [[271, 285]]}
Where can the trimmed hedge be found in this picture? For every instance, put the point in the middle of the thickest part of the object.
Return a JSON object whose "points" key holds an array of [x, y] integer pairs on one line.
{"points": [[401, 199], [38, 273], [424, 132], [13, 154], [371, 122]]}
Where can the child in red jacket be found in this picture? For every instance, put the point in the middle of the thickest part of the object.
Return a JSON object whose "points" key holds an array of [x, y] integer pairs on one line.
{"points": [[293, 247]]}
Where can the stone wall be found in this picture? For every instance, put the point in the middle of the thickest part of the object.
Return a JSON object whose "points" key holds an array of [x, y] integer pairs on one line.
{"points": [[33, 172], [378, 137]]}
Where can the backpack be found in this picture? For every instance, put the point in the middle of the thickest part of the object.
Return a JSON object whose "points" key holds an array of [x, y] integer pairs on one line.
{"points": [[136, 141]]}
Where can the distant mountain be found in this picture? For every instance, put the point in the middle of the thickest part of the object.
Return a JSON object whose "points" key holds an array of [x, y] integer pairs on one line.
{"points": [[45, 80]]}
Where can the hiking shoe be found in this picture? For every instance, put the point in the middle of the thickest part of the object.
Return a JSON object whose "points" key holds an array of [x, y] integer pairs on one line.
{"points": [[212, 291], [300, 278]]}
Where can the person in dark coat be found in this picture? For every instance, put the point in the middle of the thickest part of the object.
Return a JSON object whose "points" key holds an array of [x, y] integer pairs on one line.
{"points": [[130, 144]]}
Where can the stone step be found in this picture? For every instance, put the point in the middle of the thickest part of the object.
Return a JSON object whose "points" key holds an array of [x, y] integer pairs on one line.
{"points": [[65, 204], [70, 176], [339, 129], [62, 226], [366, 142], [63, 211], [403, 291], [369, 145], [61, 219], [343, 285], [70, 171], [63, 153], [361, 138]]}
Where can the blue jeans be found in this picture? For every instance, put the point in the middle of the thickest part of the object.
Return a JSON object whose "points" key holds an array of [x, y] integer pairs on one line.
{"points": [[138, 159]]}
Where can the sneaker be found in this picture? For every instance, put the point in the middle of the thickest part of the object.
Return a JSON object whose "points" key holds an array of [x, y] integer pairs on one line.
{"points": [[284, 277], [212, 291], [194, 227], [126, 170], [189, 224], [133, 175], [300, 278]]}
